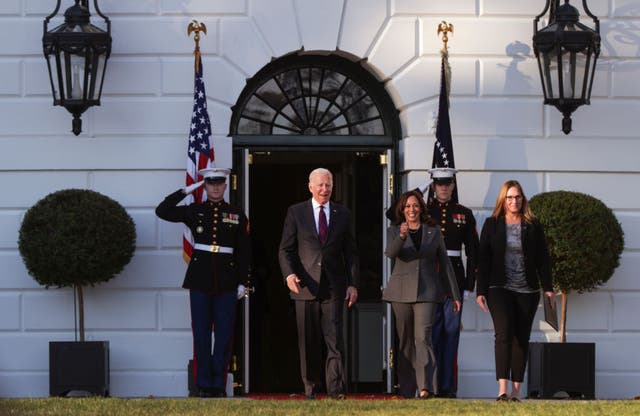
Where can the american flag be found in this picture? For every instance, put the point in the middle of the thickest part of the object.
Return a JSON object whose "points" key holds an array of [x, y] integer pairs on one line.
{"points": [[443, 147], [199, 151]]}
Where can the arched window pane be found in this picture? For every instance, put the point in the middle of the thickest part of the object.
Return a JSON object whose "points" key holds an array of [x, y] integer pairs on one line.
{"points": [[310, 100]]}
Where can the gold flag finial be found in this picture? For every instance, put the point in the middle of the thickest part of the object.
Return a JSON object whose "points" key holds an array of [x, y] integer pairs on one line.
{"points": [[197, 27], [445, 28]]}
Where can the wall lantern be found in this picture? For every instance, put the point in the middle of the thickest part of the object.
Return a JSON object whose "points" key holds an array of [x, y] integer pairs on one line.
{"points": [[77, 54], [567, 52]]}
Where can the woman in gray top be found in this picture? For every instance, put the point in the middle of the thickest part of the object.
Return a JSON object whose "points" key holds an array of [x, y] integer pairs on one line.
{"points": [[513, 264], [422, 274]]}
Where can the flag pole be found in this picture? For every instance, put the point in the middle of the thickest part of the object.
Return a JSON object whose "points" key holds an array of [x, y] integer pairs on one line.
{"points": [[196, 27]]}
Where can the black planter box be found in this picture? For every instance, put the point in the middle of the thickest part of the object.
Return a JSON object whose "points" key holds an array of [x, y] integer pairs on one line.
{"points": [[561, 368], [79, 367]]}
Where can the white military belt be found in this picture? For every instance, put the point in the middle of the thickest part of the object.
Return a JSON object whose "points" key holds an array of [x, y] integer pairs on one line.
{"points": [[451, 253], [214, 248]]}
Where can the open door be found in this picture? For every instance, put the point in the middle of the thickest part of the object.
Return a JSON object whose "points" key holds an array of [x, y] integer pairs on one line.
{"points": [[272, 181]]}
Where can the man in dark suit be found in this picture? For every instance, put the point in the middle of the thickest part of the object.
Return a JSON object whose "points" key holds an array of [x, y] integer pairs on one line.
{"points": [[319, 262]]}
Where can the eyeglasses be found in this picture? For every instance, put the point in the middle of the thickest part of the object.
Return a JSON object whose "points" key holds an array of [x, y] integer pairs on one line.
{"points": [[514, 197]]}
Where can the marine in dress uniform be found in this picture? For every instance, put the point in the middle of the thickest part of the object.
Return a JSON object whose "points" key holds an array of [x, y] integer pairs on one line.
{"points": [[458, 226], [217, 268]]}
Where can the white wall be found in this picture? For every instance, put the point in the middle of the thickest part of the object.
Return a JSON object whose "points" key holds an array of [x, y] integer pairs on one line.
{"points": [[133, 149]]}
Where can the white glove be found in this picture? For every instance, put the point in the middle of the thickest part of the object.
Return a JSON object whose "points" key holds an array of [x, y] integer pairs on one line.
{"points": [[188, 189], [241, 291], [466, 294], [423, 188]]}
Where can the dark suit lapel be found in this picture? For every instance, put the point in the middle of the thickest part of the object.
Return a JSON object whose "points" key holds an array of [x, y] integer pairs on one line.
{"points": [[334, 217], [308, 219]]}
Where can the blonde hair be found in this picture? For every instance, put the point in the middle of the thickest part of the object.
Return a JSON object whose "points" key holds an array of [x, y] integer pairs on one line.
{"points": [[499, 210]]}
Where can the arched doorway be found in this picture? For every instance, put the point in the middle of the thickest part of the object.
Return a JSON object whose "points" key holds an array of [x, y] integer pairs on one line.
{"points": [[302, 111]]}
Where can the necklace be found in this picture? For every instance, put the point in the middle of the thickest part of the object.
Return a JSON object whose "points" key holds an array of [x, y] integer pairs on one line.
{"points": [[414, 231]]}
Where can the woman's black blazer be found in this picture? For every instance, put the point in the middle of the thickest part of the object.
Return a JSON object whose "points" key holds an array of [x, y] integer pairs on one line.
{"points": [[493, 240]]}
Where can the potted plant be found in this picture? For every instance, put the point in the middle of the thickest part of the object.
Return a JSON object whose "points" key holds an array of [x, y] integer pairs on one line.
{"points": [[585, 241], [74, 238]]}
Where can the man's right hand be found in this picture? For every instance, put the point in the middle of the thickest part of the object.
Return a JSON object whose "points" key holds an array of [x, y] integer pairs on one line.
{"points": [[188, 189], [293, 283]]}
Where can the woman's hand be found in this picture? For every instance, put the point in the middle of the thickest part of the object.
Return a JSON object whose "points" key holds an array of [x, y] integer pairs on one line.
{"points": [[404, 228], [457, 306], [482, 302]]}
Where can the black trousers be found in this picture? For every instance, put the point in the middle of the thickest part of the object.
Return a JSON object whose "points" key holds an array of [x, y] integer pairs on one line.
{"points": [[317, 321], [512, 314]]}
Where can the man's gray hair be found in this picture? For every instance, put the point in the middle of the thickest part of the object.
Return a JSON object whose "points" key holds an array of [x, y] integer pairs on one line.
{"points": [[320, 171]]}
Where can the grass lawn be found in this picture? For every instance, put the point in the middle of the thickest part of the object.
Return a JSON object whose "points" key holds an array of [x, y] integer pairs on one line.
{"points": [[242, 407]]}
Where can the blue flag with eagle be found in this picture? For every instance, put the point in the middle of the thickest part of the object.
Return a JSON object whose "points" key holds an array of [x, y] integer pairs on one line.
{"points": [[443, 147]]}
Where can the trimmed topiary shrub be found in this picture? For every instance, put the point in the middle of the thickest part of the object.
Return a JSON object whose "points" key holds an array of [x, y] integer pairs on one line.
{"points": [[585, 241], [74, 238]]}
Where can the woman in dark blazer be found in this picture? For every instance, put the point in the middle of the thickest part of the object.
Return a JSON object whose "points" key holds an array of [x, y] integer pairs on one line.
{"points": [[422, 274], [513, 264]]}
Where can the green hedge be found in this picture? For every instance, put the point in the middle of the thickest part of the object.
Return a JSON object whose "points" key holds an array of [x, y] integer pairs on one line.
{"points": [[584, 238], [76, 237]]}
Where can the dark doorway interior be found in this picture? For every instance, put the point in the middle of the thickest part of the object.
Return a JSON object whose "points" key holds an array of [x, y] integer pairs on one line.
{"points": [[277, 180]]}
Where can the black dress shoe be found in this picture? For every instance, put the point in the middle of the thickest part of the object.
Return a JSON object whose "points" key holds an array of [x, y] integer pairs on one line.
{"points": [[446, 395], [212, 392], [515, 399], [502, 398], [311, 396]]}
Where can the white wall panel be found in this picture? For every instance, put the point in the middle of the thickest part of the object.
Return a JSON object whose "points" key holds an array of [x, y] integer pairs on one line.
{"points": [[11, 79], [119, 309], [132, 77], [175, 311], [283, 37], [10, 311], [397, 46], [10, 222], [48, 309], [243, 45], [361, 23], [197, 7], [625, 311], [223, 82], [604, 186], [458, 7], [161, 36], [475, 36], [10, 7], [625, 75], [14, 272], [319, 22]]}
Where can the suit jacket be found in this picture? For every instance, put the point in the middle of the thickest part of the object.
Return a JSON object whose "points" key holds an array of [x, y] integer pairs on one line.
{"points": [[423, 275], [302, 254], [212, 223], [493, 241]]}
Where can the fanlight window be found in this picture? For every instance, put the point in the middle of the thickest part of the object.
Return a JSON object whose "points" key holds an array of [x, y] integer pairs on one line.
{"points": [[310, 101]]}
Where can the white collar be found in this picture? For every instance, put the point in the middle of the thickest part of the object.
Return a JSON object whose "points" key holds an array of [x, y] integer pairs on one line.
{"points": [[316, 204]]}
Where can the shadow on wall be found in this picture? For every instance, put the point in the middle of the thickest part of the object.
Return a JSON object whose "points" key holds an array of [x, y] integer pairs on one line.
{"points": [[515, 80], [507, 156], [624, 32]]}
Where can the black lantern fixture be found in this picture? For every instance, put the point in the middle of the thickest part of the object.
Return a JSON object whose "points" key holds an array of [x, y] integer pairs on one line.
{"points": [[77, 54], [567, 52]]}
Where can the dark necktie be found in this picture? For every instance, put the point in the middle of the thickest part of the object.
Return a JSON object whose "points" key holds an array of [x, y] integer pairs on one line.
{"points": [[322, 225]]}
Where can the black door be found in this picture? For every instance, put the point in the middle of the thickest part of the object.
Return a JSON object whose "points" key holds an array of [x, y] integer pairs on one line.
{"points": [[278, 179]]}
